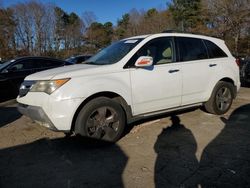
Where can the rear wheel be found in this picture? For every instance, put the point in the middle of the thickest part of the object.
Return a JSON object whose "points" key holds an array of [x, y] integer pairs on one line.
{"points": [[101, 118], [221, 98]]}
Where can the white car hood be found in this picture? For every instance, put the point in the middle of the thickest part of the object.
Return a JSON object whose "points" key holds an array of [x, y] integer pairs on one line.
{"points": [[69, 72]]}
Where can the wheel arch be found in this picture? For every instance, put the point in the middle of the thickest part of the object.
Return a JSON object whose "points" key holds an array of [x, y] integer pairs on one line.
{"points": [[214, 83], [112, 95], [229, 80]]}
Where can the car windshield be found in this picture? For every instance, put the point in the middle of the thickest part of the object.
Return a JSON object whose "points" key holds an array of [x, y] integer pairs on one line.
{"points": [[113, 53]]}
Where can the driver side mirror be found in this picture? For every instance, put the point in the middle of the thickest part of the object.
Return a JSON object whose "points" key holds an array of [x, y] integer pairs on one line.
{"points": [[144, 61]]}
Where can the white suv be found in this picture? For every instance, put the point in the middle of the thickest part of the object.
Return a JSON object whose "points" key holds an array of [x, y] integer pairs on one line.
{"points": [[132, 78]]}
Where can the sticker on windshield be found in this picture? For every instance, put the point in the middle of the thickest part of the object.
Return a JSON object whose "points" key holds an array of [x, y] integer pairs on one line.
{"points": [[130, 41]]}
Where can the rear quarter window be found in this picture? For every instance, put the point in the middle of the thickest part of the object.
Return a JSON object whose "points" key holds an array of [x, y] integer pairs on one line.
{"points": [[214, 51]]}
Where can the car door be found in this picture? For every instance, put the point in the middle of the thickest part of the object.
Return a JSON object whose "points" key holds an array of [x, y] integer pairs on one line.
{"points": [[158, 87], [197, 69], [4, 86]]}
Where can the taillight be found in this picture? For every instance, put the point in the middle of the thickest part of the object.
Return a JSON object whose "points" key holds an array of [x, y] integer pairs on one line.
{"points": [[237, 61]]}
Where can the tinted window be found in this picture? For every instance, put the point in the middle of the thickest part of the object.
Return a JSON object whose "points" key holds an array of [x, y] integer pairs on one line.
{"points": [[50, 63], [191, 49], [161, 49], [214, 51], [28, 64]]}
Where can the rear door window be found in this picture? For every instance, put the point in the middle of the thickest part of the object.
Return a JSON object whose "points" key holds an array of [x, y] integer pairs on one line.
{"points": [[191, 49], [46, 63]]}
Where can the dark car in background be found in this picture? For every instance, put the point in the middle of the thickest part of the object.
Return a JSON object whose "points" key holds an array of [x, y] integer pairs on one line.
{"points": [[13, 72], [78, 59], [245, 71]]}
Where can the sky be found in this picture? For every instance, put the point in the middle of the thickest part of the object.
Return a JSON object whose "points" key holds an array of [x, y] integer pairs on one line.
{"points": [[105, 10]]}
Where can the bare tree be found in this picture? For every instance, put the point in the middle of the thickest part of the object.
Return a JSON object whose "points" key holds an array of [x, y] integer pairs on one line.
{"points": [[229, 17], [24, 29], [7, 29], [34, 29], [88, 17]]}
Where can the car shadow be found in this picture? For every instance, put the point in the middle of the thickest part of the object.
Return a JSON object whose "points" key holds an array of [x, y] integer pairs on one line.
{"points": [[225, 160], [145, 119], [64, 162], [8, 115]]}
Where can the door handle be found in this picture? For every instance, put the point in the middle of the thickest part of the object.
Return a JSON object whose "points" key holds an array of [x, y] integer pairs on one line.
{"points": [[212, 65], [173, 70]]}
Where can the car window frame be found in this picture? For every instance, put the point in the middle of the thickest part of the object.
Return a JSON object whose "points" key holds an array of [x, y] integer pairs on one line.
{"points": [[210, 52], [62, 63], [131, 62], [22, 61], [179, 51]]}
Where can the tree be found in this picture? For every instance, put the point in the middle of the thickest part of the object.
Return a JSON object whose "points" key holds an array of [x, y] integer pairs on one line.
{"points": [[33, 32], [69, 31], [141, 22], [7, 30], [99, 35], [230, 19], [122, 26], [186, 13], [60, 23], [88, 17]]}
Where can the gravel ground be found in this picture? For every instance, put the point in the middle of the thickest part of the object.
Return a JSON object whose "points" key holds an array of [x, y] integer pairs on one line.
{"points": [[192, 149]]}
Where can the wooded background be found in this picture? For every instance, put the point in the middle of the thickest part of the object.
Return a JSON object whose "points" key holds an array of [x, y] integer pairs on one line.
{"points": [[36, 28]]}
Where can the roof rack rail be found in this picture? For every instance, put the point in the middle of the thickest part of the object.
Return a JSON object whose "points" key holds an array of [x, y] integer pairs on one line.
{"points": [[195, 33]]}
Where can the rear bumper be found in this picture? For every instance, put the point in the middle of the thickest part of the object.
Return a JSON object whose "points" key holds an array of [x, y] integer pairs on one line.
{"points": [[37, 114]]}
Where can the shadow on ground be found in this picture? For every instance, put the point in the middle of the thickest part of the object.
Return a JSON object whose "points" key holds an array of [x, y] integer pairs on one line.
{"points": [[176, 160], [8, 115], [64, 162], [224, 162]]}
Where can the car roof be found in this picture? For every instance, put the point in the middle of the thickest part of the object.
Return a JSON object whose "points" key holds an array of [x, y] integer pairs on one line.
{"points": [[37, 57], [80, 56]]}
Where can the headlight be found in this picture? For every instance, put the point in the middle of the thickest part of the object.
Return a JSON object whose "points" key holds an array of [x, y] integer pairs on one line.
{"points": [[48, 86]]}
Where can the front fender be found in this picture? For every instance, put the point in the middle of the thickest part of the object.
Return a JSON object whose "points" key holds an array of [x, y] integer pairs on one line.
{"points": [[84, 87]]}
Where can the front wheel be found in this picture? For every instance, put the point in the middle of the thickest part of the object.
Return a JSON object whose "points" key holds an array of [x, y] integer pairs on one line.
{"points": [[102, 118], [221, 98]]}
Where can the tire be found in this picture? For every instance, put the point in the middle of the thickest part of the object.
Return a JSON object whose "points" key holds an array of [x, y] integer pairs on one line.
{"points": [[101, 118], [221, 98]]}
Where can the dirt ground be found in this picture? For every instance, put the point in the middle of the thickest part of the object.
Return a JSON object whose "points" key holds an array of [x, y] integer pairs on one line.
{"points": [[192, 149]]}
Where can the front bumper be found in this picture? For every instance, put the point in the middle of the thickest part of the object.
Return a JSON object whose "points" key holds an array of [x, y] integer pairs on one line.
{"points": [[37, 114]]}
